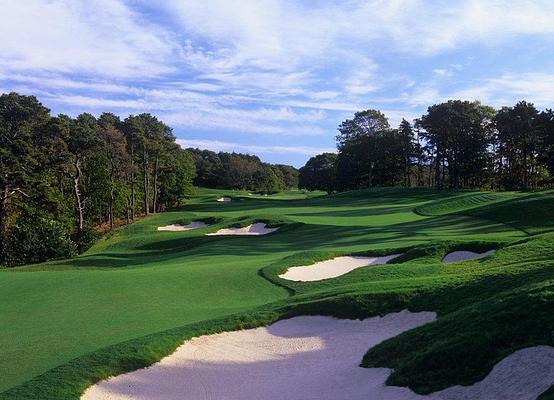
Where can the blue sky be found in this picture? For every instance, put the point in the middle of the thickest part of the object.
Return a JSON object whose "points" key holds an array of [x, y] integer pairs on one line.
{"points": [[269, 77]]}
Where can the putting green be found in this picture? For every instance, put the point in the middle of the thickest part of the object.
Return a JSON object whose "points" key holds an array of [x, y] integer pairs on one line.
{"points": [[140, 281]]}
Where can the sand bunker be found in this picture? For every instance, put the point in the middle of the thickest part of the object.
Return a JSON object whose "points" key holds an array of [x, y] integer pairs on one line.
{"points": [[254, 229], [456, 256], [523, 375], [224, 199], [177, 227], [311, 357], [332, 268]]}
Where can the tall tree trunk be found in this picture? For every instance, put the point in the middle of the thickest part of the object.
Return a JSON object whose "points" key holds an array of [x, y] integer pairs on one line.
{"points": [[393, 179], [370, 176], [133, 178], [78, 196], [525, 165], [145, 180], [406, 171], [443, 175], [438, 172], [155, 201], [3, 217], [430, 176], [128, 212], [112, 196]]}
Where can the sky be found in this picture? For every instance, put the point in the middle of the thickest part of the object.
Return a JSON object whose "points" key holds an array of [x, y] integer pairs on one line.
{"points": [[274, 77]]}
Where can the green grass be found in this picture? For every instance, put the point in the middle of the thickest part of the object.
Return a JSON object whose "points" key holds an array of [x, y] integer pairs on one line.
{"points": [[138, 294], [464, 202]]}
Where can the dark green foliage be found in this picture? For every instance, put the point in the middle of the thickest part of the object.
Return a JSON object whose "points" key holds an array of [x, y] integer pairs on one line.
{"points": [[34, 237], [79, 176], [370, 153], [319, 173], [241, 171], [85, 238], [460, 133], [22, 120], [457, 145], [289, 175], [519, 142]]}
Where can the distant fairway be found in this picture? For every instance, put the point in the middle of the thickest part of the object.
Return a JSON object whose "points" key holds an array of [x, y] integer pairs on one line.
{"points": [[140, 281]]}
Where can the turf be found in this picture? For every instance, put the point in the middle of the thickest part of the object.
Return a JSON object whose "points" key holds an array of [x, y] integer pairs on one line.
{"points": [[136, 295]]}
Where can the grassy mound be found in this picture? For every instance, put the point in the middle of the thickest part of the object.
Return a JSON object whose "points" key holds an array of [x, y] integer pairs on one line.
{"points": [[532, 213], [464, 202]]}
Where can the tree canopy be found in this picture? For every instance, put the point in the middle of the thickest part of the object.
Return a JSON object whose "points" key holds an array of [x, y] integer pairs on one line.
{"points": [[241, 171], [62, 179], [456, 144]]}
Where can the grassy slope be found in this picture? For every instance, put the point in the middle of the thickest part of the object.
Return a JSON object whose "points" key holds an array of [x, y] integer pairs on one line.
{"points": [[138, 282], [465, 202], [141, 281]]}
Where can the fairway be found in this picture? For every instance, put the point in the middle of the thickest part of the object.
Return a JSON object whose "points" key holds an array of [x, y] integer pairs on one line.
{"points": [[141, 281]]}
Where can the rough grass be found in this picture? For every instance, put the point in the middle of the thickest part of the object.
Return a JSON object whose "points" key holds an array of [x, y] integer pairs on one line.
{"points": [[137, 295]]}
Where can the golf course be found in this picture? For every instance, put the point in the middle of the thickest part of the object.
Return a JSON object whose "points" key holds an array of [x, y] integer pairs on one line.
{"points": [[139, 293]]}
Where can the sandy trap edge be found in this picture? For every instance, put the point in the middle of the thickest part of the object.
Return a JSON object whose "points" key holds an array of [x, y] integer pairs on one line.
{"points": [[457, 256], [188, 227], [333, 268], [311, 357], [256, 229]]}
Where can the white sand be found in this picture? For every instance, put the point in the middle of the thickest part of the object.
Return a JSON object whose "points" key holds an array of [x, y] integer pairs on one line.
{"points": [[254, 229], [224, 199], [523, 375], [332, 268], [457, 256], [309, 358], [177, 227], [300, 358]]}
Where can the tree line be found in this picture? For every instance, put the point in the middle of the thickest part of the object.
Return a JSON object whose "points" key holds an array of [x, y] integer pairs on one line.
{"points": [[241, 171], [63, 179], [456, 144]]}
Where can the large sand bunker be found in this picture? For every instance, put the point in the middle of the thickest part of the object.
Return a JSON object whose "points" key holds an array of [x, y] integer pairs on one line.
{"points": [[224, 199], [188, 227], [311, 357], [332, 268], [258, 228], [457, 256]]}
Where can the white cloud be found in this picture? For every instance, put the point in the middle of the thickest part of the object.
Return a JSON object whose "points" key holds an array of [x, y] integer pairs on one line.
{"points": [[508, 88], [216, 145], [396, 116], [275, 67], [195, 110], [442, 72], [103, 37], [504, 90]]}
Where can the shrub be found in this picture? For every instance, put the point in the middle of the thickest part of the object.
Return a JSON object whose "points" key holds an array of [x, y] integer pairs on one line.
{"points": [[35, 237]]}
